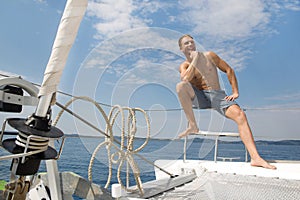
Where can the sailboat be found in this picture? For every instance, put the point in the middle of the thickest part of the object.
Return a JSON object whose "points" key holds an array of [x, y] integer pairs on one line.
{"points": [[34, 140]]}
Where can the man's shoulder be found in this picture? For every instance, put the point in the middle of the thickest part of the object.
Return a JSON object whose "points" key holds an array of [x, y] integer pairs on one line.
{"points": [[209, 53], [212, 56], [184, 65]]}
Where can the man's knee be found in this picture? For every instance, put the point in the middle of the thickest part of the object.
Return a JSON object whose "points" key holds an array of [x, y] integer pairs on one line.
{"points": [[241, 117], [236, 113], [241, 114], [181, 86]]}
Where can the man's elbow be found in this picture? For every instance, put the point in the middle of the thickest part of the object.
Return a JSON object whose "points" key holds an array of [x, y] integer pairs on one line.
{"points": [[230, 71]]}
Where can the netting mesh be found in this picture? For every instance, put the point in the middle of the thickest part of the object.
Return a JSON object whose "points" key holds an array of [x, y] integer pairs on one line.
{"points": [[216, 186]]}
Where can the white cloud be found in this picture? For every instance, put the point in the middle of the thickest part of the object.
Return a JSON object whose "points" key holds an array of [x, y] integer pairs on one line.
{"points": [[147, 7], [225, 19], [114, 17], [128, 42], [41, 1], [295, 96], [294, 7]]}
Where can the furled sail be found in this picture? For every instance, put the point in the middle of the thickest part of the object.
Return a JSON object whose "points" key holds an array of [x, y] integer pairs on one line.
{"points": [[66, 34]]}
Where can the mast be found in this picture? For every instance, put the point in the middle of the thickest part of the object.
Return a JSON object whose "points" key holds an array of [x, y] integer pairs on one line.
{"points": [[66, 34]]}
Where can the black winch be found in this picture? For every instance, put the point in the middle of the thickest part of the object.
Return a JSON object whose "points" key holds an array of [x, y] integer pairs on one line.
{"points": [[31, 139]]}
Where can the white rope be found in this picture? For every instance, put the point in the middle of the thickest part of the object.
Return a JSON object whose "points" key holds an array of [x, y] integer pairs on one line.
{"points": [[123, 153], [19, 155]]}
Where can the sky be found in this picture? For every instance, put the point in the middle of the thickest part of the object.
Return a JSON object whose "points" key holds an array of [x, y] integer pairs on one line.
{"points": [[126, 53]]}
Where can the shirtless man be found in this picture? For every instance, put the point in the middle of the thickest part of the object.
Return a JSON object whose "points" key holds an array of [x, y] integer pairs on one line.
{"points": [[200, 87]]}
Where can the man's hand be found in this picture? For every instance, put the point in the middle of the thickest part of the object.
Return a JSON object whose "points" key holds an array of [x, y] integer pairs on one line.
{"points": [[232, 97], [193, 55]]}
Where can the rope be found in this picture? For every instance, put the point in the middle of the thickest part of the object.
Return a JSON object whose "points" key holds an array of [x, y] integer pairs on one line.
{"points": [[124, 153]]}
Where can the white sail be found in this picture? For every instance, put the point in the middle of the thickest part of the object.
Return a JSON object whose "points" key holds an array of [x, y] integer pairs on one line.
{"points": [[66, 34]]}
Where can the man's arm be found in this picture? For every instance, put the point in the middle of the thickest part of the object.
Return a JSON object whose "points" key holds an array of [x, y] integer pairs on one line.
{"points": [[187, 70], [224, 67], [185, 74]]}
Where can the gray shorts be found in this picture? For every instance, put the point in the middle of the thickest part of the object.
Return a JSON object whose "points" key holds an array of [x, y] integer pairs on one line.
{"points": [[215, 99]]}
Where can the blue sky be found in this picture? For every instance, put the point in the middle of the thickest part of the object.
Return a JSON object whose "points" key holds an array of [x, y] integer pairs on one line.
{"points": [[126, 53]]}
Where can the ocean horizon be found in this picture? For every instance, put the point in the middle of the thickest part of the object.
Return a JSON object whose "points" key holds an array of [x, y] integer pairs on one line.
{"points": [[77, 153]]}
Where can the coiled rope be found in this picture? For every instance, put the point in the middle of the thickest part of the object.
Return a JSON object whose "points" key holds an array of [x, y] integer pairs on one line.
{"points": [[124, 153]]}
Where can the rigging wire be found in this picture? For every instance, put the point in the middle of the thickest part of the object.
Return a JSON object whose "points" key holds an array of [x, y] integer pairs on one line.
{"points": [[173, 109]]}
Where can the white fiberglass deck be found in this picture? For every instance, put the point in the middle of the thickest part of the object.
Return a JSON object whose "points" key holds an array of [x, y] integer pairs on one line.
{"points": [[285, 170]]}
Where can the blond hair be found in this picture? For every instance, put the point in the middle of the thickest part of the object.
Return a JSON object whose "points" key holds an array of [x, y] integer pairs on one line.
{"points": [[180, 39]]}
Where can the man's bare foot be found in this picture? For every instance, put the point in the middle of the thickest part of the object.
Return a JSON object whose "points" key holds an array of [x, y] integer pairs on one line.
{"points": [[262, 163], [188, 131]]}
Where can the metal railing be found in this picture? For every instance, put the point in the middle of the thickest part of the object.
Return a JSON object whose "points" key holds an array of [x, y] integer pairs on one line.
{"points": [[217, 136]]}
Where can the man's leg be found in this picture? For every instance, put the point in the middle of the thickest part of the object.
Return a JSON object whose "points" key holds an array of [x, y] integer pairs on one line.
{"points": [[186, 94], [235, 113]]}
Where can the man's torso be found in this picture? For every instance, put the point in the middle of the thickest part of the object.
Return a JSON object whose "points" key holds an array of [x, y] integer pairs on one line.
{"points": [[206, 76]]}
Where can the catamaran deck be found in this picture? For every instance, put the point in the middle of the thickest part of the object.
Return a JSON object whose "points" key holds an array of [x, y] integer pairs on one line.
{"points": [[230, 180]]}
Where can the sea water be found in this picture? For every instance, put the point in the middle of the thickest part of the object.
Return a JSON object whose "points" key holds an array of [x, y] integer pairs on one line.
{"points": [[77, 153]]}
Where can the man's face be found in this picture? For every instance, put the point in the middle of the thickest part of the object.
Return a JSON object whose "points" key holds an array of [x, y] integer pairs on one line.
{"points": [[187, 45]]}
